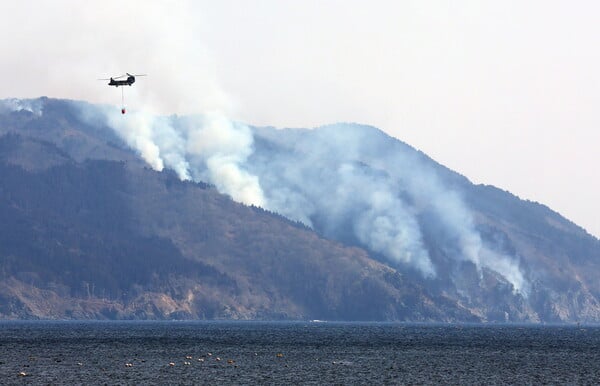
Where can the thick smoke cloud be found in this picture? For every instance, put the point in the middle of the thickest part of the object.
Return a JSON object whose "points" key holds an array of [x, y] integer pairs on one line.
{"points": [[206, 147], [356, 174], [222, 146], [346, 181]]}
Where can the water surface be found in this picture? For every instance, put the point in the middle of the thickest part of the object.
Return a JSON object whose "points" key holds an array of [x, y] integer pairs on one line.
{"points": [[294, 353]]}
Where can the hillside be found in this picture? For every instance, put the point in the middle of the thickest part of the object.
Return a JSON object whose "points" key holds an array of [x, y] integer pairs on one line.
{"points": [[354, 225], [503, 258], [110, 239]]}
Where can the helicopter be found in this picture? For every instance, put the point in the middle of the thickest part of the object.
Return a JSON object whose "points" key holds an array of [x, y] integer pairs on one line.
{"points": [[127, 82], [118, 81]]}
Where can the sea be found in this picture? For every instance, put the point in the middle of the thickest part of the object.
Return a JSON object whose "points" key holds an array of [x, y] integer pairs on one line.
{"points": [[295, 353]]}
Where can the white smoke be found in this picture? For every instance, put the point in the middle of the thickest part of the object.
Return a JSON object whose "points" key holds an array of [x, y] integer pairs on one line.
{"points": [[457, 224], [138, 131], [217, 149], [208, 148], [345, 181], [62, 47], [13, 104], [341, 177], [358, 175], [387, 227]]}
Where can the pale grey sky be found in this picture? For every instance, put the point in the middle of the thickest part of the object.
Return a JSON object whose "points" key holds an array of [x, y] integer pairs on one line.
{"points": [[504, 92]]}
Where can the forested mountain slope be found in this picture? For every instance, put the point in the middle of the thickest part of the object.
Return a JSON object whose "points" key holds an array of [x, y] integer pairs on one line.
{"points": [[352, 225]]}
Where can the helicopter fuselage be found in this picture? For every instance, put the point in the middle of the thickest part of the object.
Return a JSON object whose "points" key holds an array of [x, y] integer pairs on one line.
{"points": [[127, 82]]}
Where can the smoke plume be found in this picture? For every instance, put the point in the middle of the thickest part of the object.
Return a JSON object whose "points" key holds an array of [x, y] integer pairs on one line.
{"points": [[13, 104], [347, 181], [355, 174], [207, 147]]}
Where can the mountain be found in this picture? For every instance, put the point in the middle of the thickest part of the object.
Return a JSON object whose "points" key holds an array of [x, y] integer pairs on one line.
{"points": [[503, 258], [104, 236], [135, 217]]}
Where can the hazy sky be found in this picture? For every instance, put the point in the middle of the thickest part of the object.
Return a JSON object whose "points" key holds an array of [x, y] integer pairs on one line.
{"points": [[504, 92]]}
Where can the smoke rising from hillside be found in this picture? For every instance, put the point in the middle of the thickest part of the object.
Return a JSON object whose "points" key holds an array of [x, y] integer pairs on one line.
{"points": [[13, 104], [346, 181], [207, 148], [349, 182], [385, 189]]}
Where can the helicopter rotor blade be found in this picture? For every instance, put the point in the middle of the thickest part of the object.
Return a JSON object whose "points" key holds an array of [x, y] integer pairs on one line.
{"points": [[137, 74]]}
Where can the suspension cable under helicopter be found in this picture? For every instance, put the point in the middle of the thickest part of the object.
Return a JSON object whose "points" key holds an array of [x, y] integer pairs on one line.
{"points": [[122, 100]]}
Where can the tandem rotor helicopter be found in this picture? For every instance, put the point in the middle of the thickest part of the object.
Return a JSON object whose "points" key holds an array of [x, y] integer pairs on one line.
{"points": [[119, 81]]}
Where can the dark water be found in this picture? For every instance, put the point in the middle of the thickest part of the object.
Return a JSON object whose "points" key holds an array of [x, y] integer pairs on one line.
{"points": [[294, 353]]}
